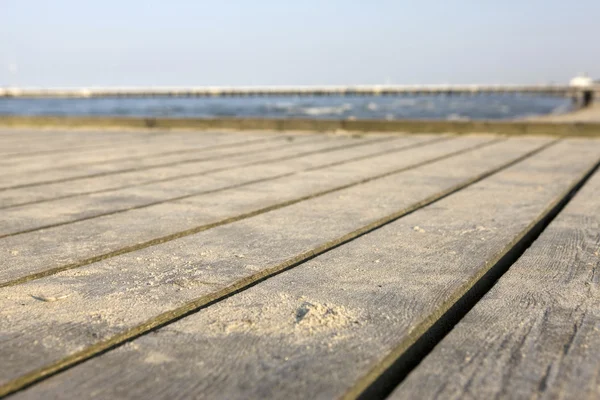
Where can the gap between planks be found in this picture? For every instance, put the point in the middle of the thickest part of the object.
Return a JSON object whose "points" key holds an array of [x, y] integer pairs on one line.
{"points": [[535, 334], [393, 369]]}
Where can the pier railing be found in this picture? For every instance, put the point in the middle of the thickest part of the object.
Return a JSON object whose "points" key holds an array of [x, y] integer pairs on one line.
{"points": [[358, 90]]}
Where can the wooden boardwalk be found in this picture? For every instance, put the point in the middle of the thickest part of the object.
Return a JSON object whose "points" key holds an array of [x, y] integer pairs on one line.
{"points": [[175, 265]]}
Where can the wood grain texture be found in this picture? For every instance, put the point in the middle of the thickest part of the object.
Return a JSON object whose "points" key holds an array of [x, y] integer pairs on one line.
{"points": [[45, 215], [43, 177], [34, 146], [327, 327], [22, 143], [130, 151], [536, 334], [80, 243], [126, 295], [123, 180]]}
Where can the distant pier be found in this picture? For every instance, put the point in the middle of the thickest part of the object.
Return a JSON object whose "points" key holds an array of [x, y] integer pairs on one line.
{"points": [[582, 96], [358, 90]]}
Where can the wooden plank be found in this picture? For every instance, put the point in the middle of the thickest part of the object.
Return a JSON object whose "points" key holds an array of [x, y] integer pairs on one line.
{"points": [[65, 139], [41, 168], [80, 243], [30, 144], [29, 178], [35, 140], [536, 334], [111, 183], [65, 133], [33, 147], [23, 141], [147, 148], [339, 150], [325, 328], [18, 220], [123, 296]]}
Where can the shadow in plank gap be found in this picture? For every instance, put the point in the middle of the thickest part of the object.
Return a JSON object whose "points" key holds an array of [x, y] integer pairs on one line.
{"points": [[536, 333], [393, 375]]}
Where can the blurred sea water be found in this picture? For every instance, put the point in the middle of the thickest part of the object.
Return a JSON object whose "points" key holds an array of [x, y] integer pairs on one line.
{"points": [[439, 107]]}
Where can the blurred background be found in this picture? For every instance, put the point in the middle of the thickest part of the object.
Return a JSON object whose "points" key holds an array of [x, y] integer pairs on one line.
{"points": [[150, 44]]}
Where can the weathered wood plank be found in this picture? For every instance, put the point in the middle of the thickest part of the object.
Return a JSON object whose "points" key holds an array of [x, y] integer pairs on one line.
{"points": [[35, 148], [17, 220], [536, 334], [63, 137], [32, 144], [31, 178], [327, 327], [125, 295], [112, 183], [16, 134], [147, 148], [50, 250], [42, 139], [148, 176], [17, 179]]}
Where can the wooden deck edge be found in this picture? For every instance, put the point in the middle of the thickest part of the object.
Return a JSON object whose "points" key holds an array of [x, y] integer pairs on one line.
{"points": [[389, 373], [575, 129]]}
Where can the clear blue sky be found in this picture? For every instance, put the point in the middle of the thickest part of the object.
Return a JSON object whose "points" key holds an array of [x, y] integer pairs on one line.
{"points": [[276, 42]]}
